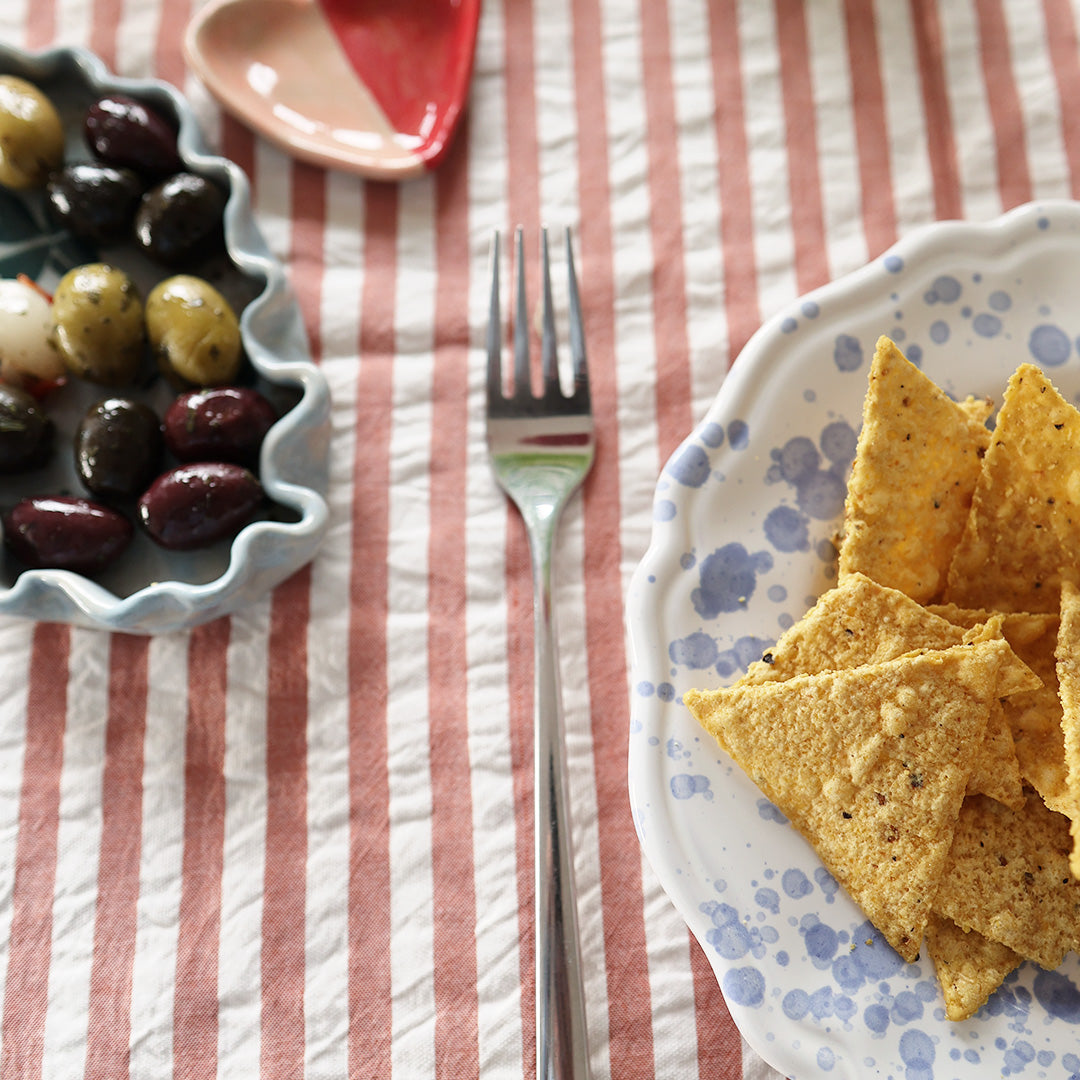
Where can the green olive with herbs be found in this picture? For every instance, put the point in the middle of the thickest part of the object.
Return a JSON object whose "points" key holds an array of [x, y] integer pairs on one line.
{"points": [[98, 324], [31, 134], [193, 331]]}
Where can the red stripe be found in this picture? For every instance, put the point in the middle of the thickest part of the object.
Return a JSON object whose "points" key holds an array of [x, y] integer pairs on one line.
{"points": [[719, 1041], [1061, 41], [1014, 180], [29, 945], [40, 24], [940, 139], [673, 391], [629, 1002], [871, 128], [109, 1015], [106, 17], [284, 905], [195, 1016], [285, 881], [369, 795], [804, 178], [168, 56], [523, 196], [741, 306], [453, 866]]}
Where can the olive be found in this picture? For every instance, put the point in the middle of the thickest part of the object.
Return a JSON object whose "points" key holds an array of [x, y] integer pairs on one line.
{"points": [[193, 331], [118, 448], [220, 423], [31, 134], [95, 202], [26, 431], [180, 219], [125, 132], [195, 505], [98, 324], [66, 533]]}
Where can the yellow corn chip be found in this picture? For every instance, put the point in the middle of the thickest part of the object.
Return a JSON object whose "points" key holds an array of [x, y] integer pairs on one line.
{"points": [[1068, 672], [1007, 876], [969, 966], [870, 765], [916, 465], [1024, 527], [1033, 716], [861, 622]]}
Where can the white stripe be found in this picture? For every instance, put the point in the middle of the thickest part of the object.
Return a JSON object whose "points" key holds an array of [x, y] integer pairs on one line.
{"points": [[244, 846], [326, 1008], [162, 852], [411, 907], [905, 116], [972, 126], [837, 151], [78, 848]]}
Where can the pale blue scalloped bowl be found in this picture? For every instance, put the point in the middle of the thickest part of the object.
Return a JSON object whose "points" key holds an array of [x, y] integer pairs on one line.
{"points": [[744, 516], [151, 590]]}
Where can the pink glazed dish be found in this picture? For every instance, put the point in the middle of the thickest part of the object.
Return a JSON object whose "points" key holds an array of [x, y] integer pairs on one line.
{"points": [[375, 87]]}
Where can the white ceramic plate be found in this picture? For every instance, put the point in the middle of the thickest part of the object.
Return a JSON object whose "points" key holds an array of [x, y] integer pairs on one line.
{"points": [[150, 590], [743, 516]]}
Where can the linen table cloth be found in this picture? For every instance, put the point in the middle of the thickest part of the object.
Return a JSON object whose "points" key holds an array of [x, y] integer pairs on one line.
{"points": [[297, 841]]}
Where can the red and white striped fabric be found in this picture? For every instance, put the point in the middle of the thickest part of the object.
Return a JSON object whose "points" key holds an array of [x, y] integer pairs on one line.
{"points": [[297, 841]]}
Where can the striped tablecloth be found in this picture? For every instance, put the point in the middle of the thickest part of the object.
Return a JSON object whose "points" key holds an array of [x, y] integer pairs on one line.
{"points": [[297, 841]]}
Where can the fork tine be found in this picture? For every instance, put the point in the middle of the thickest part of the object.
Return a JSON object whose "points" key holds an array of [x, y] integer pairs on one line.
{"points": [[522, 377], [494, 329], [548, 354], [577, 330]]}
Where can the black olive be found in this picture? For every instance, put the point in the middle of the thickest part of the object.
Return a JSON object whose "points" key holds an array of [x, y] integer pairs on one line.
{"points": [[180, 219], [118, 448], [95, 202], [26, 431], [125, 132]]}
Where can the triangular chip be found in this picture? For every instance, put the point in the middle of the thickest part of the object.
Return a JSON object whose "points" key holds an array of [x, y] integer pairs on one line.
{"points": [[1068, 672], [969, 966], [1007, 876], [916, 465], [1024, 525], [870, 765], [861, 622], [1033, 716]]}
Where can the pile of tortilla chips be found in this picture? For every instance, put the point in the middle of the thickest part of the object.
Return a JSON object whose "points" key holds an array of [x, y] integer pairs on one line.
{"points": [[920, 726]]}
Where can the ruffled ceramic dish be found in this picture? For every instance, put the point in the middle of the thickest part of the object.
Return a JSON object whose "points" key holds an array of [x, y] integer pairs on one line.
{"points": [[149, 589], [376, 87], [743, 519]]}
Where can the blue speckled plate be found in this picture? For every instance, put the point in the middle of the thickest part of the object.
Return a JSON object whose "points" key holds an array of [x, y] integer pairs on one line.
{"points": [[744, 515], [150, 590]]}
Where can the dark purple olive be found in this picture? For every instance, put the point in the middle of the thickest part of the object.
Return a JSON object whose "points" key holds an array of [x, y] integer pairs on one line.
{"points": [[93, 201], [193, 506], [26, 431], [220, 423], [64, 533], [180, 219], [118, 448], [124, 132]]}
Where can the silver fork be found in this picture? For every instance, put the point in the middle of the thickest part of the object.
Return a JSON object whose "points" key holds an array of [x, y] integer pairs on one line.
{"points": [[541, 447]]}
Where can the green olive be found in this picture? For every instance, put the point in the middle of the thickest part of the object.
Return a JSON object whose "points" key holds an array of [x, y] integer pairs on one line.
{"points": [[31, 134], [194, 332], [98, 324]]}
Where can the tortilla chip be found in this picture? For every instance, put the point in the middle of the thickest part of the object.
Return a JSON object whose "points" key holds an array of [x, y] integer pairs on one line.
{"points": [[1033, 716], [969, 966], [870, 765], [1007, 876], [1024, 527], [916, 465], [856, 622], [861, 622], [1068, 672]]}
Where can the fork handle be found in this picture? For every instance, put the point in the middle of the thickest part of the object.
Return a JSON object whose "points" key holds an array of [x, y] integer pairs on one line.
{"points": [[561, 1043]]}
